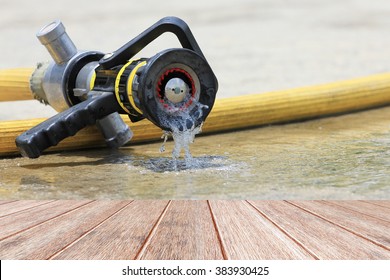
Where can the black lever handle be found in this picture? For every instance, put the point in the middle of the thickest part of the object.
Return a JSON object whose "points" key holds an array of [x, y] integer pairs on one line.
{"points": [[167, 24], [67, 123]]}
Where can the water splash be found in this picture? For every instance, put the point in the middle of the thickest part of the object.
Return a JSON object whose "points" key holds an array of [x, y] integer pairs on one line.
{"points": [[182, 141], [165, 137], [183, 132]]}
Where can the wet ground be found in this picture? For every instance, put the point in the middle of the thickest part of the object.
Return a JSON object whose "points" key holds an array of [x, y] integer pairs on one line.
{"points": [[344, 157]]}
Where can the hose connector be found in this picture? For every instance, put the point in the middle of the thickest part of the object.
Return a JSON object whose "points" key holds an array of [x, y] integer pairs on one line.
{"points": [[54, 37]]}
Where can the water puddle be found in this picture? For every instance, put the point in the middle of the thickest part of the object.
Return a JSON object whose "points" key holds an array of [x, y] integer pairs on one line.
{"points": [[164, 164], [145, 164]]}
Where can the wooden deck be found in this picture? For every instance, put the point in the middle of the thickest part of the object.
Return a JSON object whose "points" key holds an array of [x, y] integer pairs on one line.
{"points": [[196, 229]]}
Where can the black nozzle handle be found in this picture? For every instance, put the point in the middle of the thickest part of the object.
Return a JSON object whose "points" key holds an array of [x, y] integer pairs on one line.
{"points": [[167, 24], [67, 123]]}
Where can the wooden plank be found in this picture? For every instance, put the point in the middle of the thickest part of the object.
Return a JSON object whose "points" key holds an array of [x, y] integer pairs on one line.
{"points": [[383, 203], [185, 232], [120, 237], [245, 234], [43, 241], [322, 238], [14, 207], [24, 220], [6, 201], [377, 231], [363, 207]]}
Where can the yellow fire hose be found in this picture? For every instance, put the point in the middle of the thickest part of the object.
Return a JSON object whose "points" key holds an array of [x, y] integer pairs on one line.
{"points": [[15, 84], [228, 113]]}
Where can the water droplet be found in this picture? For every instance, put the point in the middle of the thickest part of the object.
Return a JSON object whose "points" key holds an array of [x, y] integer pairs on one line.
{"points": [[165, 137]]}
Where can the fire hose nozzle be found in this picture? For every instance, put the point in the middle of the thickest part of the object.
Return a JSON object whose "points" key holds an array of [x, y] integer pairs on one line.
{"points": [[175, 88]]}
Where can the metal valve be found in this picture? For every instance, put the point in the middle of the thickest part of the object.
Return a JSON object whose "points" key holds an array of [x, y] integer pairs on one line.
{"points": [[175, 89]]}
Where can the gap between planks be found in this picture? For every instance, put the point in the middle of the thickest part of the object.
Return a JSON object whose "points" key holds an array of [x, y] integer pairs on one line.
{"points": [[284, 231], [152, 232], [224, 252], [23, 206], [359, 210], [381, 203]]}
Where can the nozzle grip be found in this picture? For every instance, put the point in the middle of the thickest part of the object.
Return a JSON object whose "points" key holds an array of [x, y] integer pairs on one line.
{"points": [[67, 123]]}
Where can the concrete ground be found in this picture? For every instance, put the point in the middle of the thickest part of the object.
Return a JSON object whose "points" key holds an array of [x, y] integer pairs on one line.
{"points": [[253, 45]]}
